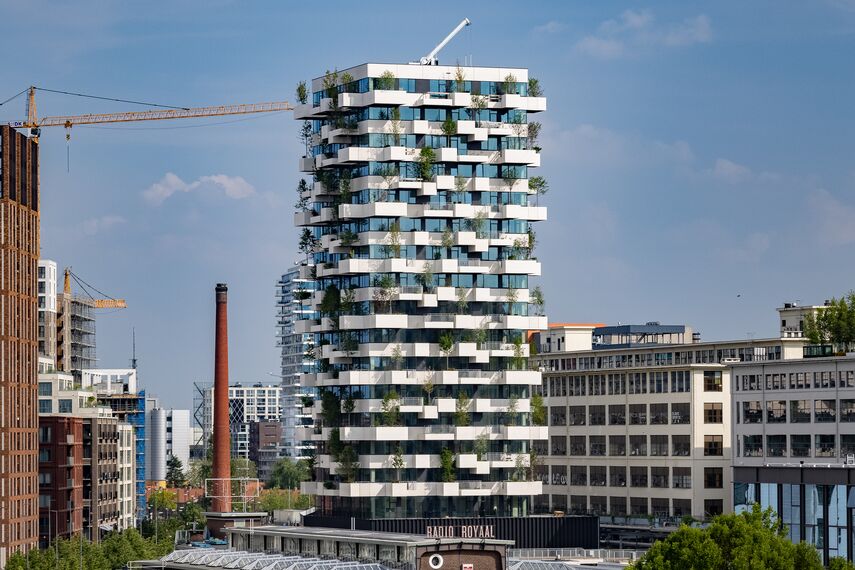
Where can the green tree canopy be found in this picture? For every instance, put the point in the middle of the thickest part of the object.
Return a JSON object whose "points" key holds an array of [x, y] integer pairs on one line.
{"points": [[175, 472], [749, 540], [288, 474]]}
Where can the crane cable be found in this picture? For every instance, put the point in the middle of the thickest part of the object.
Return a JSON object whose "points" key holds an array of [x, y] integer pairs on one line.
{"points": [[86, 286], [108, 99]]}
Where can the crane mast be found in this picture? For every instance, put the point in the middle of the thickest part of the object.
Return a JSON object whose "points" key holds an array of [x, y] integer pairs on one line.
{"points": [[430, 59]]}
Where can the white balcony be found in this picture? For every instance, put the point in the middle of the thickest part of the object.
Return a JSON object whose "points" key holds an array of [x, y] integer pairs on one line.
{"points": [[306, 164]]}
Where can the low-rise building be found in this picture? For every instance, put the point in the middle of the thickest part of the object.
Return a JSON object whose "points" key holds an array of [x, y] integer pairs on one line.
{"points": [[794, 446], [639, 418]]}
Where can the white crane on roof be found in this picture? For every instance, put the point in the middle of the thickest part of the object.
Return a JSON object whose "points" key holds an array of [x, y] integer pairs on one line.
{"points": [[430, 59]]}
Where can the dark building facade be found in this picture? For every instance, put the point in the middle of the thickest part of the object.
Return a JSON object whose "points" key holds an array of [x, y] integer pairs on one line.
{"points": [[265, 446], [19, 253], [60, 477], [100, 475]]}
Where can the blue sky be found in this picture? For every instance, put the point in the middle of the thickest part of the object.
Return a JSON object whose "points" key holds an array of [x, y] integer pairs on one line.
{"points": [[695, 152]]}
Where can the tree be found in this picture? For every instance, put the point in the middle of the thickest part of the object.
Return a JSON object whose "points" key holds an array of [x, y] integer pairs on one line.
{"points": [[308, 243], [306, 137], [538, 410], [393, 240], [386, 81], [398, 461], [397, 357], [384, 291], [833, 323], [481, 446], [198, 472], [302, 200], [424, 163], [446, 345], [509, 85], [511, 411], [752, 539], [302, 93], [395, 126], [460, 80], [533, 133], [288, 474], [840, 563], [539, 185], [175, 472], [348, 464], [428, 386], [331, 301], [390, 408], [478, 104], [534, 89], [446, 461], [461, 410], [163, 499], [537, 299], [449, 128], [425, 278]]}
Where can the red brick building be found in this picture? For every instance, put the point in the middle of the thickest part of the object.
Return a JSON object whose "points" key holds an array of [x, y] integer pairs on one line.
{"points": [[19, 256], [60, 477]]}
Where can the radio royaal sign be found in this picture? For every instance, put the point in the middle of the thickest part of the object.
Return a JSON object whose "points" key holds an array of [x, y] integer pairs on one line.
{"points": [[461, 531]]}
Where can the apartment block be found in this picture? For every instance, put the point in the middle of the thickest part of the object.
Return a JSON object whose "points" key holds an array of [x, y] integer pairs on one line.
{"points": [[292, 305], [794, 446], [60, 477], [19, 254], [419, 221], [47, 309], [247, 404], [639, 418], [265, 446]]}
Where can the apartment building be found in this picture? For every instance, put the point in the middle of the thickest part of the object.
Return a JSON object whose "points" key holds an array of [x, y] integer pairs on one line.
{"points": [[247, 404], [292, 305], [60, 477], [419, 221], [265, 446], [794, 446], [169, 436], [108, 450], [19, 254], [47, 309], [639, 418]]}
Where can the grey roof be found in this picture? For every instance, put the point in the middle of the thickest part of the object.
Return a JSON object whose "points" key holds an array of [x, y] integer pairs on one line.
{"points": [[365, 536]]}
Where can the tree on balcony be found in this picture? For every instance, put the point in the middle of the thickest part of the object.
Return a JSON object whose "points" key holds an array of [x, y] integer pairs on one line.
{"points": [[428, 386], [477, 224], [302, 93], [308, 243], [397, 357], [533, 134], [481, 446], [478, 103], [395, 127], [538, 410], [348, 464], [449, 129], [424, 163], [462, 302], [386, 81], [446, 461], [459, 194], [331, 302], [534, 89], [330, 408], [392, 247], [509, 85], [446, 346], [384, 292], [459, 80], [510, 414], [462, 417], [537, 300], [390, 409], [425, 278], [539, 185], [398, 462]]}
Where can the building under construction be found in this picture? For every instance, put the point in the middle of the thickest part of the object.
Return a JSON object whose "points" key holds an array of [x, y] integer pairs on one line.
{"points": [[19, 256]]}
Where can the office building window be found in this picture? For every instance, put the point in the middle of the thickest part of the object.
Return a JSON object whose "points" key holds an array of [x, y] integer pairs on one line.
{"points": [[617, 476], [617, 445], [65, 406], [597, 444], [825, 445], [598, 475], [800, 445], [577, 445], [638, 445], [713, 507], [638, 476], [712, 413], [682, 445], [638, 414], [713, 445], [800, 411], [638, 506], [45, 406], [618, 506], [713, 478], [578, 475], [776, 445], [752, 413], [659, 445], [681, 381], [824, 411], [752, 446], [597, 415], [682, 478], [45, 389], [712, 381], [576, 417], [847, 410], [617, 415], [680, 413], [658, 414], [776, 412]]}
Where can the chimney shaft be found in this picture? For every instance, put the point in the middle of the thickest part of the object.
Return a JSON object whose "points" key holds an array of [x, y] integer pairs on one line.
{"points": [[221, 468]]}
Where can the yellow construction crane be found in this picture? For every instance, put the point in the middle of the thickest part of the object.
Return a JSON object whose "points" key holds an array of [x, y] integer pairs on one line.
{"points": [[35, 123], [105, 302]]}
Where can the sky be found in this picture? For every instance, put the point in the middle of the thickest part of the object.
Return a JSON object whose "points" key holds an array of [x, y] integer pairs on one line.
{"points": [[699, 156]]}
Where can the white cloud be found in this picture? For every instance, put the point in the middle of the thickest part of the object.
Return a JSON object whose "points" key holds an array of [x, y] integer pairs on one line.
{"points": [[636, 29], [729, 171], [550, 27], [233, 186], [93, 226], [834, 221]]}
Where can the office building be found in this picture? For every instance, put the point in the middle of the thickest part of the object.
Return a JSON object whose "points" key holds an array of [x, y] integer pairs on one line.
{"points": [[168, 435], [60, 477], [419, 226], [292, 301], [247, 404], [47, 309], [19, 255], [794, 446], [639, 418]]}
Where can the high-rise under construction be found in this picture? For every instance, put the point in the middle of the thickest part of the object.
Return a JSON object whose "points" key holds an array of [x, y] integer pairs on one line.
{"points": [[19, 256]]}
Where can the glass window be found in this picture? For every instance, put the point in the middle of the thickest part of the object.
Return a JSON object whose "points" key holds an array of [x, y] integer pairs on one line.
{"points": [[776, 445], [682, 478], [847, 444], [578, 475], [658, 414], [617, 415], [638, 445], [682, 445], [659, 445], [45, 406], [597, 415], [712, 381], [713, 445], [598, 445], [752, 445], [577, 445], [598, 475], [638, 414], [45, 389], [800, 445], [824, 411], [577, 416], [713, 507], [659, 477], [638, 506], [752, 413], [800, 411], [712, 413], [680, 413], [557, 416], [847, 410], [617, 476], [638, 476], [825, 445], [617, 445], [776, 412], [559, 445]]}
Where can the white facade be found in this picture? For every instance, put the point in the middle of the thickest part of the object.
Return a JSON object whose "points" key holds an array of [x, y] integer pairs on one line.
{"points": [[47, 279], [644, 430], [127, 477], [421, 213], [178, 435], [168, 434], [293, 305], [247, 404], [110, 380]]}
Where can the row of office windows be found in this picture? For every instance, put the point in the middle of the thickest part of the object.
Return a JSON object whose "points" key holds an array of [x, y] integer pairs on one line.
{"points": [[616, 446], [670, 358], [410, 169], [822, 445], [434, 86], [620, 506], [795, 380], [430, 114], [796, 411], [623, 383], [636, 476], [634, 414]]}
